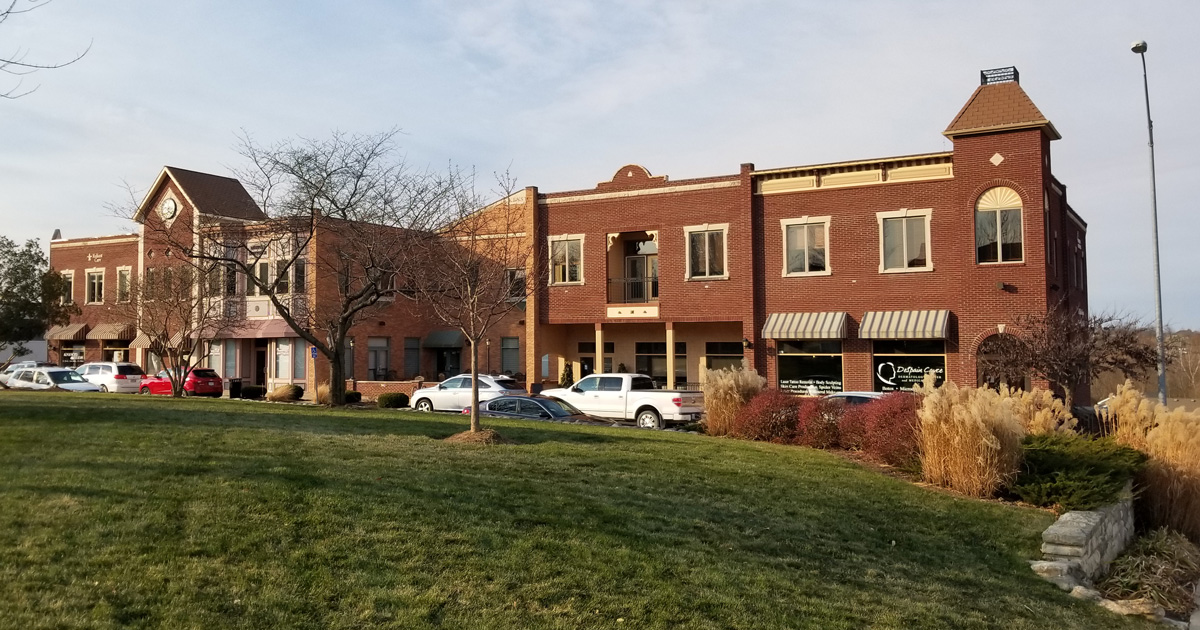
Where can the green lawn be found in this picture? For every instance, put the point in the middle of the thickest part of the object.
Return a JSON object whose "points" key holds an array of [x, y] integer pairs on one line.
{"points": [[124, 511]]}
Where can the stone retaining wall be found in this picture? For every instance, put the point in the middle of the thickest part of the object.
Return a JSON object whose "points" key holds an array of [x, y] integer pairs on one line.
{"points": [[1090, 540]]}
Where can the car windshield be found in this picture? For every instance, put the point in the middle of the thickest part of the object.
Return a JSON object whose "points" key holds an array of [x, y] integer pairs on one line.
{"points": [[130, 370], [204, 373], [65, 376], [560, 409]]}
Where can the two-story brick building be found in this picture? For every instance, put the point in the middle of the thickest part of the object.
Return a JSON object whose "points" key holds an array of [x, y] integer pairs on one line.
{"points": [[858, 275]]}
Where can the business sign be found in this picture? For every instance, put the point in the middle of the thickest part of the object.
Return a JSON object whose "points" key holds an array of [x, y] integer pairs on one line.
{"points": [[898, 372], [810, 375]]}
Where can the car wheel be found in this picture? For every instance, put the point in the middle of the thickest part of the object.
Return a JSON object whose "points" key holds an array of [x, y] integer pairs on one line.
{"points": [[424, 405], [649, 419], [186, 393], [145, 390], [103, 389]]}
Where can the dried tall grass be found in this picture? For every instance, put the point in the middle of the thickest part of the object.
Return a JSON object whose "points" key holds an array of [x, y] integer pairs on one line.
{"points": [[1039, 411], [970, 438], [323, 394], [1170, 485], [726, 391]]}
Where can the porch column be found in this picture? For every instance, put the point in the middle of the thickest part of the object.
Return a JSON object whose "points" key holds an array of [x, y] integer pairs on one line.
{"points": [[599, 367], [670, 356]]}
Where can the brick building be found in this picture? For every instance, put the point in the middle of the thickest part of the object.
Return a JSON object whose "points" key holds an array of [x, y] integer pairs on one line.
{"points": [[859, 275]]}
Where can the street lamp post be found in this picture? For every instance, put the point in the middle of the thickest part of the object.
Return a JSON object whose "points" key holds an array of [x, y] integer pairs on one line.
{"points": [[1139, 47]]}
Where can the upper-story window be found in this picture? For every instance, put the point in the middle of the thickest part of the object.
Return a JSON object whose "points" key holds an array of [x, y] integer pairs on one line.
{"points": [[124, 275], [95, 287], [805, 246], [904, 240], [68, 295], [707, 251], [566, 259], [998, 234], [514, 279]]}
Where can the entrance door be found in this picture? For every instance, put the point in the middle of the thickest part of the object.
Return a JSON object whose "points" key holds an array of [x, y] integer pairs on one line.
{"points": [[260, 366], [448, 361], [641, 278]]}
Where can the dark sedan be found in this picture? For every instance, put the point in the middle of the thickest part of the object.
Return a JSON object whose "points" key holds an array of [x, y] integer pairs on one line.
{"points": [[531, 408]]}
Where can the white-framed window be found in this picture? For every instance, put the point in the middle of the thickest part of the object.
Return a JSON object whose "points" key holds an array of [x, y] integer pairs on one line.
{"points": [[806, 246], [999, 237], [68, 296], [124, 278], [904, 240], [566, 259], [707, 251], [95, 287]]}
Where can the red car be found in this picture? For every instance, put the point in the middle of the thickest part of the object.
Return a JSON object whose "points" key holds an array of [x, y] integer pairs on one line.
{"points": [[200, 382]]}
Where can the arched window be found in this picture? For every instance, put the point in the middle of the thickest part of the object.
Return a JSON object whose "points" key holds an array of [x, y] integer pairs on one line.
{"points": [[998, 233]]}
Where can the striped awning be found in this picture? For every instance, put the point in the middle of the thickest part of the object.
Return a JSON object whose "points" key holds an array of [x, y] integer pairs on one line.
{"points": [[904, 325], [70, 332], [142, 341], [829, 325], [112, 331]]}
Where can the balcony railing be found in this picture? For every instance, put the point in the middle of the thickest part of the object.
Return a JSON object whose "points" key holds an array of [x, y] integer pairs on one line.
{"points": [[632, 290]]}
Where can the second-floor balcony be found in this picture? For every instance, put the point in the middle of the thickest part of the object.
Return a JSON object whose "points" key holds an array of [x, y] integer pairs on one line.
{"points": [[633, 268], [636, 290]]}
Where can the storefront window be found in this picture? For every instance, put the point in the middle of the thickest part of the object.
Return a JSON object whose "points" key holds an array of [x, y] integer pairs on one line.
{"points": [[810, 367], [723, 354], [899, 364], [283, 358], [652, 361]]}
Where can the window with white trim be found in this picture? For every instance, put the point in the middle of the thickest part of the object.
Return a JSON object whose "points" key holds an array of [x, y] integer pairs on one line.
{"points": [[904, 240], [707, 251], [805, 246], [998, 234], [566, 259], [124, 275], [95, 287]]}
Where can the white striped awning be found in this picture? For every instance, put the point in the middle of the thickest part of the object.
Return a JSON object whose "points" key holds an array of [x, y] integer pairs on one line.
{"points": [[70, 332], [112, 331], [829, 325], [904, 325], [141, 341]]}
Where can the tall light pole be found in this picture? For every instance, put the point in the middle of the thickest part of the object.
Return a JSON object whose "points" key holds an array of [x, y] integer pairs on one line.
{"points": [[1139, 47]]}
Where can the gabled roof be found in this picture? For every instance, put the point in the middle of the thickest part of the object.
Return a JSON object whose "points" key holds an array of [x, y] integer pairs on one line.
{"points": [[209, 194], [999, 107]]}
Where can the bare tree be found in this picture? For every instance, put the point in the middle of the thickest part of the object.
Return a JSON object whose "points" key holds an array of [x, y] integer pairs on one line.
{"points": [[468, 263], [327, 252], [1069, 348], [181, 312], [17, 63]]}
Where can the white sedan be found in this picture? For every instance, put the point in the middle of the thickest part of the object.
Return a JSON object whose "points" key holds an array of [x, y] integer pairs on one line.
{"points": [[48, 377], [454, 394]]}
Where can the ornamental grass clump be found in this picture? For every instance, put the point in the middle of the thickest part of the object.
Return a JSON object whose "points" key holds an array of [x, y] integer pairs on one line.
{"points": [[1170, 485], [771, 416], [1162, 566], [970, 440], [286, 393], [1040, 411], [726, 392]]}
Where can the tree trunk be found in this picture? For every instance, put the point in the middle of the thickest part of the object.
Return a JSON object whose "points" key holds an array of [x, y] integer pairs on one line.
{"points": [[337, 376], [474, 385]]}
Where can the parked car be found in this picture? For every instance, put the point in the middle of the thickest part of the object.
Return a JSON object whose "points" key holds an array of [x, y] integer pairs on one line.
{"points": [[631, 397], [856, 398], [48, 377], [122, 378], [199, 382], [21, 365], [530, 407], [454, 393]]}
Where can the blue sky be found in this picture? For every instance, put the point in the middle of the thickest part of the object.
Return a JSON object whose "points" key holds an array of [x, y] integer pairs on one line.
{"points": [[563, 93]]}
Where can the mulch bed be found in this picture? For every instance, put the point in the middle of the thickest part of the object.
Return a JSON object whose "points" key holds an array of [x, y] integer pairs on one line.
{"points": [[484, 436]]}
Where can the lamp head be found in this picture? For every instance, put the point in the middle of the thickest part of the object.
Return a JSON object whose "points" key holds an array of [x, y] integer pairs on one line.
{"points": [[1138, 47]]}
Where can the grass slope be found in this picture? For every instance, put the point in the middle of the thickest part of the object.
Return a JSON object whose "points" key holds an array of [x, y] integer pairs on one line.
{"points": [[121, 511]]}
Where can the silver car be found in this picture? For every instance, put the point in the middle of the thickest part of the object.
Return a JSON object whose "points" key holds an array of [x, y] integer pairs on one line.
{"points": [[453, 394], [48, 377], [21, 365], [111, 376]]}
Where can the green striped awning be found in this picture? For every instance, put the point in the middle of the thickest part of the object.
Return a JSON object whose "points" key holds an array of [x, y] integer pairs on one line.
{"points": [[904, 325], [70, 332], [142, 341], [830, 325], [112, 332]]}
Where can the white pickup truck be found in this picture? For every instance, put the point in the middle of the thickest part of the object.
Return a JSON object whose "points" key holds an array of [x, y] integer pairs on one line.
{"points": [[630, 397]]}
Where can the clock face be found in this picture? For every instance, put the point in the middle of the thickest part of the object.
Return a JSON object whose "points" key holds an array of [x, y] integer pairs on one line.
{"points": [[168, 209]]}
